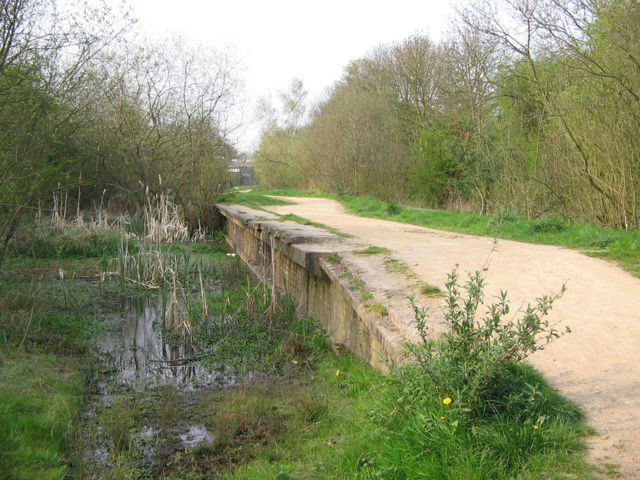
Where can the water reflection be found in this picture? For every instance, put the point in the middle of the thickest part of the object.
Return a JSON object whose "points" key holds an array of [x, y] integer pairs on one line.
{"points": [[134, 349]]}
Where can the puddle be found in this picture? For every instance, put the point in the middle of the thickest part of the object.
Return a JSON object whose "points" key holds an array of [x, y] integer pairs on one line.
{"points": [[159, 382], [134, 351], [195, 436]]}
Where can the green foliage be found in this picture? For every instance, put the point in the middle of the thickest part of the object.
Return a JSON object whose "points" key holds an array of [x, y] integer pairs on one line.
{"points": [[43, 242], [255, 330], [40, 397], [548, 224], [372, 250], [393, 209], [467, 361], [430, 290], [333, 257]]}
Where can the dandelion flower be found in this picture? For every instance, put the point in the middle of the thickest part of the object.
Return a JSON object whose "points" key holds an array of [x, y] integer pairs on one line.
{"points": [[442, 418], [337, 372], [536, 427], [446, 401]]}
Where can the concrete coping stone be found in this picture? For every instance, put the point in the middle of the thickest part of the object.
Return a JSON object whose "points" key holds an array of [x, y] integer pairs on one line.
{"points": [[288, 231]]}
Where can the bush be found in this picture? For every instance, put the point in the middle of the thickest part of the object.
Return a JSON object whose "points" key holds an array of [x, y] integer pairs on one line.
{"points": [[466, 363], [393, 209], [548, 224]]}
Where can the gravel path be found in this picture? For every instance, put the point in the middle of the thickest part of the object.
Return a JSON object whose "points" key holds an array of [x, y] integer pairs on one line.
{"points": [[597, 365]]}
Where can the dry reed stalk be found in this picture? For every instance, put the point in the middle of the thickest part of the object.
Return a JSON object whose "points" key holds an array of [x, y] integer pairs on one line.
{"points": [[205, 306], [172, 320], [163, 220]]}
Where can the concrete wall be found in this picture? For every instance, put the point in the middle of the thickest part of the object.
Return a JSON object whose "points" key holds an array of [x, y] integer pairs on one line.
{"points": [[295, 258]]}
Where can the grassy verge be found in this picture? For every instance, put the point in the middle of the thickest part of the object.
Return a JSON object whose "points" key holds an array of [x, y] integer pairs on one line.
{"points": [[341, 419], [45, 325], [597, 241], [40, 396]]}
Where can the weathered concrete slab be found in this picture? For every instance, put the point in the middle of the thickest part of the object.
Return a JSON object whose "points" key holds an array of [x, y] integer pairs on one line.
{"points": [[361, 305]]}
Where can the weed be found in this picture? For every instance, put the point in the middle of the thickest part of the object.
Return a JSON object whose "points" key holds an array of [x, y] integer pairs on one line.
{"points": [[377, 308], [503, 216], [366, 296], [395, 265], [313, 405], [430, 290], [548, 224], [118, 423], [393, 209], [372, 250], [468, 360], [333, 257]]}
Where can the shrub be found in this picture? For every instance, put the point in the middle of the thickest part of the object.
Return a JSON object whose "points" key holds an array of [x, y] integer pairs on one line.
{"points": [[393, 209], [548, 224], [466, 362]]}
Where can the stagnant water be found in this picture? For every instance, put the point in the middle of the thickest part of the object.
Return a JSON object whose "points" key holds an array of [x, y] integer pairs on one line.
{"points": [[140, 369]]}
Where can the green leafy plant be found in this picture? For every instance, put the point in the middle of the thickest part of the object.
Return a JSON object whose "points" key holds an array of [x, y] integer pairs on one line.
{"points": [[466, 362], [430, 290], [333, 257]]}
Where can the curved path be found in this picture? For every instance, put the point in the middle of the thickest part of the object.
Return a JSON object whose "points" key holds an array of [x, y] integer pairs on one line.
{"points": [[597, 365]]}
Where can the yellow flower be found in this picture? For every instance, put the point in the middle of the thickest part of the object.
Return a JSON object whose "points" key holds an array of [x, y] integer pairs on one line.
{"points": [[536, 427], [337, 372], [441, 418], [446, 401]]}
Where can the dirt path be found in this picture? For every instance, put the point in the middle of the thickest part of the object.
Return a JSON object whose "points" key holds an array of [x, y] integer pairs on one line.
{"points": [[597, 365]]}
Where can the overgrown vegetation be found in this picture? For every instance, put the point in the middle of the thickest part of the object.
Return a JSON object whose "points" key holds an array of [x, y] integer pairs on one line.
{"points": [[527, 107], [306, 413], [93, 114]]}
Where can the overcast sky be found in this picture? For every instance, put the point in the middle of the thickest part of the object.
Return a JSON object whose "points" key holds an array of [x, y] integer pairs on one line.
{"points": [[277, 40]]}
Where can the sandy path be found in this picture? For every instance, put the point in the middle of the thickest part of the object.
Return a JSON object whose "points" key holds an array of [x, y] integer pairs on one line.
{"points": [[597, 365]]}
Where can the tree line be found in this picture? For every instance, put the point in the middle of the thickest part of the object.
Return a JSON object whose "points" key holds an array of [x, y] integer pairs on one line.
{"points": [[89, 112], [527, 107]]}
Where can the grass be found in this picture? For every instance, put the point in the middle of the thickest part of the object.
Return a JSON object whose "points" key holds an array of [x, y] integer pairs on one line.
{"points": [[372, 250], [341, 419], [377, 308], [603, 242], [333, 257], [394, 265], [431, 290], [40, 396]]}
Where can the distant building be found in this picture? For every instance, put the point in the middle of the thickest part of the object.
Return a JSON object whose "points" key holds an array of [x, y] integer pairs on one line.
{"points": [[241, 171]]}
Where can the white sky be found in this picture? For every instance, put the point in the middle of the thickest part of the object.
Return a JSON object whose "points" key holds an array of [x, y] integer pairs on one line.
{"points": [[277, 40]]}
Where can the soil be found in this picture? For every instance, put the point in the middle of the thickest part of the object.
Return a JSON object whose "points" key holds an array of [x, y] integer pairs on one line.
{"points": [[597, 365]]}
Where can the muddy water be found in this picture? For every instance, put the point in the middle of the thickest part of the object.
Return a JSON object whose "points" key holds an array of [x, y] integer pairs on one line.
{"points": [[136, 352], [150, 384]]}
